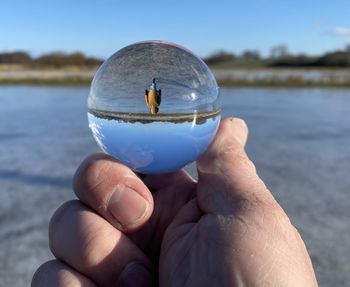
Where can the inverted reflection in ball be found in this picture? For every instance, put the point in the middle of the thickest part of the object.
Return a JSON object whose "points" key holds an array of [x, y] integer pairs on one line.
{"points": [[154, 106]]}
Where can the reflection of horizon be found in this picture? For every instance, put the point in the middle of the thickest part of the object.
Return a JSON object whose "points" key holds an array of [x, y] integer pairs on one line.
{"points": [[147, 118]]}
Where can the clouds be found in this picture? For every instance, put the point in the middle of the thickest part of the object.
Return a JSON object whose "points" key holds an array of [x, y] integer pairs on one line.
{"points": [[341, 32]]}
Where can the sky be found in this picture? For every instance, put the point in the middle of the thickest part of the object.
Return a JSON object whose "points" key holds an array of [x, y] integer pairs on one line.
{"points": [[101, 27]]}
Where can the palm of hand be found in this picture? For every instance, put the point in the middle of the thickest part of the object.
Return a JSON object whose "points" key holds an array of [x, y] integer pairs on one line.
{"points": [[190, 247]]}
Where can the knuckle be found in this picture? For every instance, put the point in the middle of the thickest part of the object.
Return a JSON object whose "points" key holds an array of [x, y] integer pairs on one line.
{"points": [[90, 255], [88, 173], [61, 213], [274, 215], [241, 161], [259, 202], [236, 157], [43, 274], [59, 219], [86, 232], [274, 211], [96, 174], [54, 273]]}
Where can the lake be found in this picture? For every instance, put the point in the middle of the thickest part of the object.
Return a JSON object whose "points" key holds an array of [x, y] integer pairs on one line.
{"points": [[299, 140]]}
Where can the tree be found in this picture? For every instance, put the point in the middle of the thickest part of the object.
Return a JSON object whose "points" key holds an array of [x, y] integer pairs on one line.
{"points": [[251, 55], [220, 57], [56, 59], [59, 59], [90, 61], [280, 51], [18, 57], [75, 59], [335, 59], [347, 48]]}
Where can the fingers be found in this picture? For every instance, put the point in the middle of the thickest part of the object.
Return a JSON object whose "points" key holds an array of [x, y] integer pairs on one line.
{"points": [[55, 273], [114, 191], [93, 247], [226, 176], [100, 178]]}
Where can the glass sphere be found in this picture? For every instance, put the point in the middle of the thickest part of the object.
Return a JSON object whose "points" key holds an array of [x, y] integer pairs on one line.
{"points": [[154, 106]]}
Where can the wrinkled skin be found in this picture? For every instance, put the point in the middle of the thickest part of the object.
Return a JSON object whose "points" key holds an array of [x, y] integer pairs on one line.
{"points": [[168, 230]]}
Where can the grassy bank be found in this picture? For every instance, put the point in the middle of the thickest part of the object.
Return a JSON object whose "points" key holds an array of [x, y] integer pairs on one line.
{"points": [[280, 84], [68, 76], [46, 82], [254, 77]]}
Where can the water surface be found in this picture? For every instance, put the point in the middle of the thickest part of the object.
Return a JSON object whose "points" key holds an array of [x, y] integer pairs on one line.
{"points": [[299, 140]]}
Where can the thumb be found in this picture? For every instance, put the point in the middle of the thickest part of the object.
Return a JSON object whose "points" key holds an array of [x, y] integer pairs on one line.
{"points": [[226, 176]]}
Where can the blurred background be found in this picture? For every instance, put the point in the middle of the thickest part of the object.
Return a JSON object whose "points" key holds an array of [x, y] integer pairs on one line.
{"points": [[282, 66]]}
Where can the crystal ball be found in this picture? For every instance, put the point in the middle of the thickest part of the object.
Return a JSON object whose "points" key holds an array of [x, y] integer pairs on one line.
{"points": [[154, 106]]}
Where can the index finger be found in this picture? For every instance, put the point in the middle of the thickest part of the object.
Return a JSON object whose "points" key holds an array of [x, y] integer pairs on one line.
{"points": [[114, 191]]}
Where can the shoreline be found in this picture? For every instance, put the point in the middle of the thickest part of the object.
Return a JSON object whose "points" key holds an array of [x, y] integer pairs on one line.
{"points": [[238, 77]]}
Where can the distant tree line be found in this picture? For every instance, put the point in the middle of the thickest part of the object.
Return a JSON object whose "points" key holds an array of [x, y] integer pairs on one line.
{"points": [[56, 59], [280, 57]]}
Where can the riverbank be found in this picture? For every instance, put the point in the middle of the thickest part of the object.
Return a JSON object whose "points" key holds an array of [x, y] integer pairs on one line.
{"points": [[284, 77], [269, 77], [70, 76]]}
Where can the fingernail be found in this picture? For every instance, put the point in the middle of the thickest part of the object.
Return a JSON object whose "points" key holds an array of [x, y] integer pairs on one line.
{"points": [[135, 274], [126, 205], [238, 121], [241, 129]]}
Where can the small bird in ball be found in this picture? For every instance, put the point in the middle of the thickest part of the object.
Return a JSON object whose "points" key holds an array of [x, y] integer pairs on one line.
{"points": [[153, 97]]}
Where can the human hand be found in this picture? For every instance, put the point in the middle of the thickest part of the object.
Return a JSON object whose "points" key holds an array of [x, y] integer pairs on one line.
{"points": [[129, 230]]}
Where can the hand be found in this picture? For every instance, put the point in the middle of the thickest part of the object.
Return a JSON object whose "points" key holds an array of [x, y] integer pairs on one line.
{"points": [[130, 230]]}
